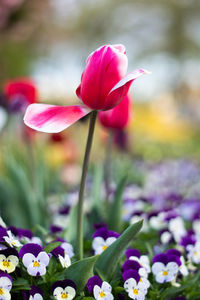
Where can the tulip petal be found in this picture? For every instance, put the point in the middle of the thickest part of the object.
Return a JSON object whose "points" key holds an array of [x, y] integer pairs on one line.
{"points": [[53, 118], [120, 90]]}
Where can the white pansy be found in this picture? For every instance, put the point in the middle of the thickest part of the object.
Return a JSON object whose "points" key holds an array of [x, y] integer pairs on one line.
{"points": [[176, 226], [165, 273], [65, 261], [37, 296], [196, 227], [67, 293], [135, 290], [103, 292], [157, 222], [183, 268], [99, 244], [11, 240], [8, 264], [68, 249], [143, 260], [165, 237], [194, 253]]}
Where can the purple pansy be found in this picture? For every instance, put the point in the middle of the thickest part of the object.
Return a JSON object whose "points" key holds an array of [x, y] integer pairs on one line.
{"points": [[95, 280], [102, 239], [21, 232], [34, 259], [35, 293], [64, 289], [166, 266]]}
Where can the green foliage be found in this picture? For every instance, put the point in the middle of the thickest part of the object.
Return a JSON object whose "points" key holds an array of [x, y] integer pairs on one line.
{"points": [[115, 210], [106, 263], [79, 272]]}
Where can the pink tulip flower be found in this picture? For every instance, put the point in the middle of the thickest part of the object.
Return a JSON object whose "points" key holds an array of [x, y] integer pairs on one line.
{"points": [[104, 84], [116, 118]]}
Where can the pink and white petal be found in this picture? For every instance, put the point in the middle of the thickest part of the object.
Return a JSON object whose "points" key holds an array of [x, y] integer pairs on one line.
{"points": [[120, 90], [27, 259], [43, 258], [53, 118]]}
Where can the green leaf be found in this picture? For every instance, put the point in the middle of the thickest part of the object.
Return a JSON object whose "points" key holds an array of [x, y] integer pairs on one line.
{"points": [[106, 263], [79, 272], [115, 211], [50, 247], [20, 284], [71, 231]]}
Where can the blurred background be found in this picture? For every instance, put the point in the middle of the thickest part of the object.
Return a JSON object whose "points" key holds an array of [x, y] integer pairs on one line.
{"points": [[49, 42]]}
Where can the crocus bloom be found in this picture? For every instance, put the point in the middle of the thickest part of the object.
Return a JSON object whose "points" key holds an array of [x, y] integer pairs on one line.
{"points": [[116, 118], [165, 267], [8, 260], [34, 259], [65, 289], [103, 238], [20, 93], [103, 292], [5, 286], [104, 84]]}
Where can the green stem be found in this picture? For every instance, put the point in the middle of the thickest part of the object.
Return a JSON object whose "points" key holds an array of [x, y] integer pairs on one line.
{"points": [[93, 116]]}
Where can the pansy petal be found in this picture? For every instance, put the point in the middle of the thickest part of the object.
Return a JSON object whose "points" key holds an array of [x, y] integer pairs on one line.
{"points": [[27, 259], [71, 292], [110, 240], [53, 118], [157, 267], [120, 90], [5, 283], [57, 291], [96, 291], [106, 286], [43, 258], [6, 295], [13, 259]]}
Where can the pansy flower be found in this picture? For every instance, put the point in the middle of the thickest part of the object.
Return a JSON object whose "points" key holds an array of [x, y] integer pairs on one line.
{"points": [[132, 285], [103, 292], [5, 286], [11, 240], [34, 259], [134, 265], [35, 293], [64, 289], [165, 267], [8, 260], [102, 239], [143, 260], [193, 253]]}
